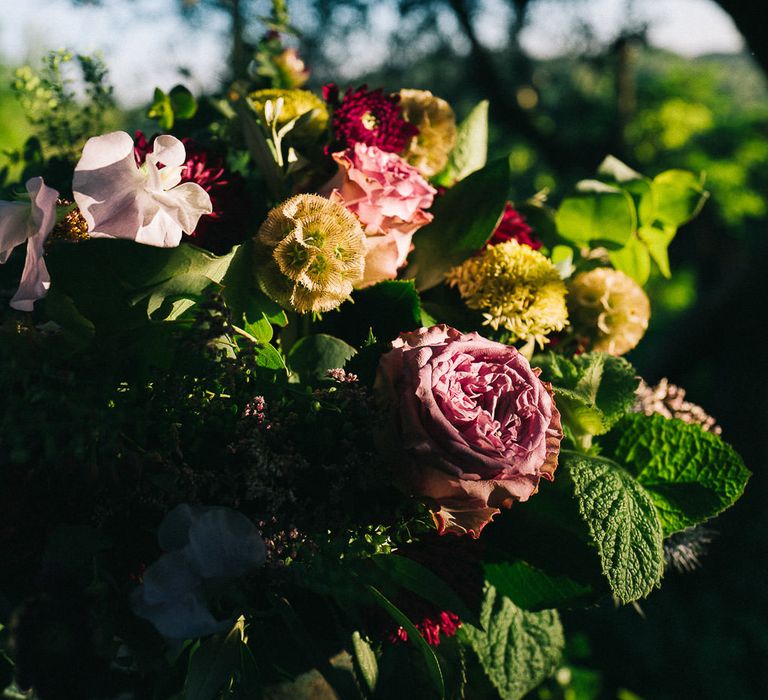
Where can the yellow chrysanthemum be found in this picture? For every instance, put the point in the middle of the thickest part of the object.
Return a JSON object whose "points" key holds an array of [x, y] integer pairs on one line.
{"points": [[311, 252], [610, 308], [429, 150], [295, 104], [516, 288]]}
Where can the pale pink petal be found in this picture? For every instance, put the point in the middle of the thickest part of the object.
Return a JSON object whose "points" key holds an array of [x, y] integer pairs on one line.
{"points": [[14, 222]]}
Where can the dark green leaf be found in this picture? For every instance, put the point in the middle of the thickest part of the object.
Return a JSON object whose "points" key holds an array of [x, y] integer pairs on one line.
{"points": [[690, 474], [622, 522], [414, 637], [517, 649], [465, 217], [531, 588], [313, 355], [212, 666], [183, 102]]}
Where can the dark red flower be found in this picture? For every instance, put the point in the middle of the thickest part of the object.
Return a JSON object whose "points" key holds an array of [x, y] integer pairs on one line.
{"points": [[369, 117], [431, 626], [513, 227], [226, 225]]}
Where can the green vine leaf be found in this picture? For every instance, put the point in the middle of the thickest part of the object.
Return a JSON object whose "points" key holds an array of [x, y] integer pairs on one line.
{"points": [[517, 649], [623, 523], [691, 475]]}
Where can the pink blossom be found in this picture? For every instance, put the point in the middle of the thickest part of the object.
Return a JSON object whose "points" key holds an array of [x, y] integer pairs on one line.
{"points": [[389, 197], [476, 428]]}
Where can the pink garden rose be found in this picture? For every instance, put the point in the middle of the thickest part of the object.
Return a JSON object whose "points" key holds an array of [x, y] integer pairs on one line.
{"points": [[476, 427], [389, 197]]}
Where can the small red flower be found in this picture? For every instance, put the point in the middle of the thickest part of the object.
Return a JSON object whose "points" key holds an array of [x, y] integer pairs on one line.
{"points": [[513, 227], [369, 117]]}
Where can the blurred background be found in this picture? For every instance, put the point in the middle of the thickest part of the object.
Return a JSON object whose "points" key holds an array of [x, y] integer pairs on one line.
{"points": [[658, 83]]}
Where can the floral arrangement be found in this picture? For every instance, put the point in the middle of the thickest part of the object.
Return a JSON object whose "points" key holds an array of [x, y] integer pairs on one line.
{"points": [[302, 401]]}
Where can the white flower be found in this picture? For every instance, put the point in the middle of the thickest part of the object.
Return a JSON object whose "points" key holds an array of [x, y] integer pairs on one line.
{"points": [[119, 199], [31, 222]]}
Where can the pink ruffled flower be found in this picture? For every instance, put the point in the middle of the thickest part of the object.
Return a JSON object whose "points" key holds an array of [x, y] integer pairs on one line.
{"points": [[476, 427], [31, 222], [389, 197]]}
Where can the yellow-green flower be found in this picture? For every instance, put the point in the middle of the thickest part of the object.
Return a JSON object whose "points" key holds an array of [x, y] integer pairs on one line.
{"points": [[310, 252], [428, 151], [610, 308], [516, 288], [295, 104]]}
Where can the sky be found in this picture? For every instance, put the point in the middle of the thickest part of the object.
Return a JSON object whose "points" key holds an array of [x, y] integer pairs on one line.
{"points": [[145, 44]]}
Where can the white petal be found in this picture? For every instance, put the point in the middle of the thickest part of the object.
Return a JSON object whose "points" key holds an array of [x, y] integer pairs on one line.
{"points": [[14, 226], [185, 204], [160, 231], [169, 151], [35, 279], [105, 184]]}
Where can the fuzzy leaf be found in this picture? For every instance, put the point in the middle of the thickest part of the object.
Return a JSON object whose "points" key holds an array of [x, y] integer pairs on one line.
{"points": [[517, 649], [690, 474], [623, 524], [465, 217]]}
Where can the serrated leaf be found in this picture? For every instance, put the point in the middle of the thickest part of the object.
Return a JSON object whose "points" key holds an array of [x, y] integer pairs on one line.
{"points": [[414, 637], [533, 589], [622, 522], [366, 661], [597, 215], [313, 355], [517, 649], [471, 150], [592, 391], [465, 217], [690, 474]]}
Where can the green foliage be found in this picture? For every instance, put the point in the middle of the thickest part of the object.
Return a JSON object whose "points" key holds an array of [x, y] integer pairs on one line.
{"points": [[633, 217], [313, 355], [623, 524], [166, 109], [414, 637], [531, 588], [592, 391], [517, 649], [471, 150], [465, 218], [690, 475], [365, 659], [50, 96]]}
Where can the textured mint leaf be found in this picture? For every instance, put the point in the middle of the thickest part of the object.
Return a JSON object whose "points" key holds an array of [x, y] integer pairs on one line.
{"points": [[592, 391], [690, 474], [518, 650], [623, 524]]}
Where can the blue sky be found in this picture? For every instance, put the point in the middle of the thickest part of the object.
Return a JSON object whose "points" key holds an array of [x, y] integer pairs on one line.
{"points": [[145, 44]]}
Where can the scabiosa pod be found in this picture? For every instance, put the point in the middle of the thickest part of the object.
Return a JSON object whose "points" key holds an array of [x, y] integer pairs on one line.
{"points": [[310, 255], [369, 117], [610, 308], [428, 151], [517, 289]]}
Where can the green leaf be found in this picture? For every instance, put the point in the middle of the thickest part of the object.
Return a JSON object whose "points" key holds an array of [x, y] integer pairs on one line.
{"points": [[183, 102], [366, 661], [622, 522], [592, 391], [517, 649], [541, 218], [465, 217], [269, 357], [313, 355], [533, 589], [212, 666], [161, 110], [690, 474], [418, 578], [387, 308], [633, 259], [471, 150], [597, 215], [657, 241], [674, 198], [414, 637]]}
